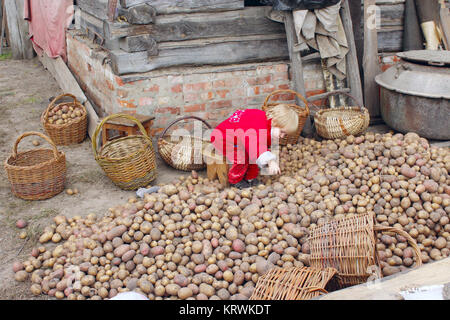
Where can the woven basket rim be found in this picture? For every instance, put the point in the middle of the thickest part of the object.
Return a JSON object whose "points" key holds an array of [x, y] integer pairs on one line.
{"points": [[99, 155], [44, 119], [9, 166], [342, 109]]}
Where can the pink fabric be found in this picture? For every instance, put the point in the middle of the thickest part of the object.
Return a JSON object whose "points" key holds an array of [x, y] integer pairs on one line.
{"points": [[48, 21]]}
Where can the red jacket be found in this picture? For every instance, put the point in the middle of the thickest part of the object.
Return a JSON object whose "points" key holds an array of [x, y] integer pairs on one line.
{"points": [[244, 136]]}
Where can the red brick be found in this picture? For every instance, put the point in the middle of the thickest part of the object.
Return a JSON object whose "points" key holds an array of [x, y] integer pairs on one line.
{"points": [[119, 81], [194, 108], [127, 104], [220, 104], [219, 84], [145, 101], [178, 88], [311, 93], [280, 77], [223, 93], [191, 97], [259, 80], [154, 88], [156, 131], [201, 86], [171, 110], [268, 88], [207, 96], [281, 68], [283, 87]]}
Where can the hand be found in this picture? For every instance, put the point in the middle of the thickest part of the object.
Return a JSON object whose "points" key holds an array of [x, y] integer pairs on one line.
{"points": [[274, 168]]}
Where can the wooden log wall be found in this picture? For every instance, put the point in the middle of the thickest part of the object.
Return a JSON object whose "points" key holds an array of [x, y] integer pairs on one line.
{"points": [[18, 36], [174, 38]]}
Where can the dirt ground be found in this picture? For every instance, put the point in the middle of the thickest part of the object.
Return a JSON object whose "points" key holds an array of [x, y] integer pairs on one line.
{"points": [[25, 90]]}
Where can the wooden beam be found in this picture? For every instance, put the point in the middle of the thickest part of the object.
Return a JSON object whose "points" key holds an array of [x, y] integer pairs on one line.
{"points": [[353, 71], [139, 14], [112, 9], [97, 8], [186, 6], [388, 288], [218, 51], [69, 84], [296, 67], [371, 67], [181, 27], [139, 43]]}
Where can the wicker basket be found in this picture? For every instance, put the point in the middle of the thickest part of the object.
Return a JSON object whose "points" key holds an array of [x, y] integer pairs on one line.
{"points": [[303, 114], [187, 154], [349, 245], [293, 283], [69, 133], [36, 174], [130, 161], [339, 123]]}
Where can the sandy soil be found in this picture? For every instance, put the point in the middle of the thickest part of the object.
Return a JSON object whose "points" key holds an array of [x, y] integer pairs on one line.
{"points": [[25, 90]]}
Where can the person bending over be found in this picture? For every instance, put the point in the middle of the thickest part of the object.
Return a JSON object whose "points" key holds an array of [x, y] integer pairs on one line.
{"points": [[245, 138]]}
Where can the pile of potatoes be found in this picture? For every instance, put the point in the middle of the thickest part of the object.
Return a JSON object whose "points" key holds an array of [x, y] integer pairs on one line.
{"points": [[62, 114], [193, 239]]}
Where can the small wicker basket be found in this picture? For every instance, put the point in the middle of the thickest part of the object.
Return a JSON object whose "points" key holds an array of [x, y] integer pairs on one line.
{"points": [[303, 114], [36, 174], [293, 283], [339, 123], [349, 245], [69, 133], [130, 161], [187, 154]]}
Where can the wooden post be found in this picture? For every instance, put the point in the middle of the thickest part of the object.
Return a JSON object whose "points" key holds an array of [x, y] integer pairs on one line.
{"points": [[371, 67], [112, 6], [18, 36], [297, 66]]}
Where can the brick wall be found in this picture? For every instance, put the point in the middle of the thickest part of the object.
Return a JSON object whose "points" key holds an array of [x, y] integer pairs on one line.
{"points": [[212, 93]]}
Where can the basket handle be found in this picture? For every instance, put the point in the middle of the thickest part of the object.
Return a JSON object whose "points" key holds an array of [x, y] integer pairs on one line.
{"points": [[337, 92], [62, 96], [34, 133], [288, 91], [181, 119], [114, 116], [412, 242]]}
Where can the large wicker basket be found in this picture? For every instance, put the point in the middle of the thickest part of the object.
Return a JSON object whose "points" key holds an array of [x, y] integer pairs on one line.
{"points": [[293, 283], [183, 152], [69, 133], [130, 161], [36, 174], [349, 245], [339, 123], [303, 114]]}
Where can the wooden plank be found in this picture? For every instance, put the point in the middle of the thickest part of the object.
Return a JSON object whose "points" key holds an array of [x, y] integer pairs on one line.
{"points": [[97, 8], [19, 41], [388, 288], [180, 27], [2, 26], [69, 84], [219, 51], [353, 72], [371, 66], [296, 67], [185, 6]]}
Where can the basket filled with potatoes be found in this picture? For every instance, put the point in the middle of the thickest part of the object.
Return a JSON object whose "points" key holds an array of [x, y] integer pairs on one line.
{"points": [[65, 122]]}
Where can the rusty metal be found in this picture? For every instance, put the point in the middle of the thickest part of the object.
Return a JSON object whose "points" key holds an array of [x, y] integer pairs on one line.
{"points": [[415, 97]]}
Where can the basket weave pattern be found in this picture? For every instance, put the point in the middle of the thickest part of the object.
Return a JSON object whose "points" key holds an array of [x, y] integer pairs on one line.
{"points": [[183, 153], [303, 114], [349, 245], [130, 161], [292, 283], [69, 133], [339, 123], [36, 174]]}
